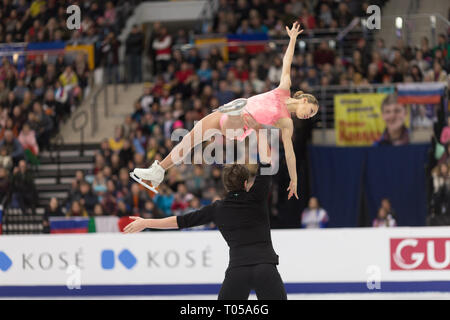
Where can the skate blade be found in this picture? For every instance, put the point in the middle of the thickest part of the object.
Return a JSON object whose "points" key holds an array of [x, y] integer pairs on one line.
{"points": [[236, 106], [142, 183]]}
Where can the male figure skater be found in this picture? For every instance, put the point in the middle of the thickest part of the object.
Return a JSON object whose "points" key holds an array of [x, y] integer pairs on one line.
{"points": [[243, 220]]}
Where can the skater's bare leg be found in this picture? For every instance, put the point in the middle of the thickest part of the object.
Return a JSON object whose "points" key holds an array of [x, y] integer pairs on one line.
{"points": [[189, 141]]}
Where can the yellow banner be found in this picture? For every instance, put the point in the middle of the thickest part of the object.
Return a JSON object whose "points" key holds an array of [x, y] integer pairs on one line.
{"points": [[357, 118], [221, 43], [87, 49]]}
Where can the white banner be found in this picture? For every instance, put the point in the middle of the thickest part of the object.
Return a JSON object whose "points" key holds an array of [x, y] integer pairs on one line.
{"points": [[317, 257]]}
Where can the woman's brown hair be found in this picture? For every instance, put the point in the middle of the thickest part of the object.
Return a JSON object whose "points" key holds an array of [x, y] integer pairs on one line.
{"points": [[309, 97]]}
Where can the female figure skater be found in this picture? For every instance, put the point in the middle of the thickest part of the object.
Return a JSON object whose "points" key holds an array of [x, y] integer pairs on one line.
{"points": [[270, 108]]}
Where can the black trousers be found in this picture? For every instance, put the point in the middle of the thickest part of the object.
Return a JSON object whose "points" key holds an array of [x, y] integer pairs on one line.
{"points": [[263, 278]]}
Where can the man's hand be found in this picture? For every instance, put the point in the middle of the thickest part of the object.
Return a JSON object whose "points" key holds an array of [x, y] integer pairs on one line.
{"points": [[292, 189], [136, 226], [294, 31]]}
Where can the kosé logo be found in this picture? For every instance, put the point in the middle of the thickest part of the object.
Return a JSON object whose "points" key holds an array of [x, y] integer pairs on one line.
{"points": [[420, 254], [127, 259], [5, 261]]}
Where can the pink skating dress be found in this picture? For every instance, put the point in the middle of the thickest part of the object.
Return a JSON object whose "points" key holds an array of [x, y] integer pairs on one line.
{"points": [[266, 108]]}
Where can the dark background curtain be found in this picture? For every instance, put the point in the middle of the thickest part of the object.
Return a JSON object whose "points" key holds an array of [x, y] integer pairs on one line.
{"points": [[398, 173], [350, 180], [336, 181]]}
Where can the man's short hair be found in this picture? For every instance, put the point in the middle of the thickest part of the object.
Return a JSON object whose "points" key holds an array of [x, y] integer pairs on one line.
{"points": [[234, 176]]}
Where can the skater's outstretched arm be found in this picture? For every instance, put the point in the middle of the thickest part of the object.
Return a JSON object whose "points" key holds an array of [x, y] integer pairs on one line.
{"points": [[140, 224], [193, 219], [287, 129], [285, 81]]}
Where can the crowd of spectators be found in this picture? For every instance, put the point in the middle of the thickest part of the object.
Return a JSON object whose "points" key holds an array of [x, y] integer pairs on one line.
{"points": [[440, 199], [263, 16], [386, 216], [187, 85], [46, 21], [37, 91], [108, 190]]}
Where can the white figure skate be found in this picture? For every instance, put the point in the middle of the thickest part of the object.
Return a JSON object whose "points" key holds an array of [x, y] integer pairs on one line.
{"points": [[155, 174], [233, 108]]}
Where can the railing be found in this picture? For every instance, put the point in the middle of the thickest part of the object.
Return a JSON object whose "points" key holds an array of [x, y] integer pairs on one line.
{"points": [[59, 142], [416, 26], [104, 89], [325, 96]]}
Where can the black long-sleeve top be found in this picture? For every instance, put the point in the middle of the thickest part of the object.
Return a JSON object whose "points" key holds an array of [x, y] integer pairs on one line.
{"points": [[243, 220]]}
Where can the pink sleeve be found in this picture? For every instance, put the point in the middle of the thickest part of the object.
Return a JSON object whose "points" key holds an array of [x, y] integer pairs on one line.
{"points": [[282, 92]]}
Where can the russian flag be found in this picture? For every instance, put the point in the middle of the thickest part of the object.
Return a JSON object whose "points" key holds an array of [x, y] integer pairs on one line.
{"points": [[37, 48], [254, 42], [69, 225], [421, 93]]}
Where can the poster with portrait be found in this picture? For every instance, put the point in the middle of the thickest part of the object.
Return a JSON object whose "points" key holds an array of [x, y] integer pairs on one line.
{"points": [[367, 119]]}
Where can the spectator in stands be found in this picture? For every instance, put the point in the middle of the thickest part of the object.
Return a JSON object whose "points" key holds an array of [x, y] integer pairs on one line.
{"points": [[196, 183], [110, 57], [12, 146], [151, 211], [416, 73], [383, 219], [109, 199], [136, 199], [134, 48], [343, 15], [76, 210], [126, 154], [122, 210], [99, 183], [4, 185], [421, 120], [98, 210], [105, 150], [87, 198], [325, 16], [23, 188], [116, 143], [441, 189], [445, 158], [314, 216], [44, 126], [69, 81], [99, 164], [27, 139], [53, 210], [386, 204], [164, 199], [307, 20], [115, 163], [162, 47], [438, 74], [323, 54], [6, 161], [394, 115]]}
